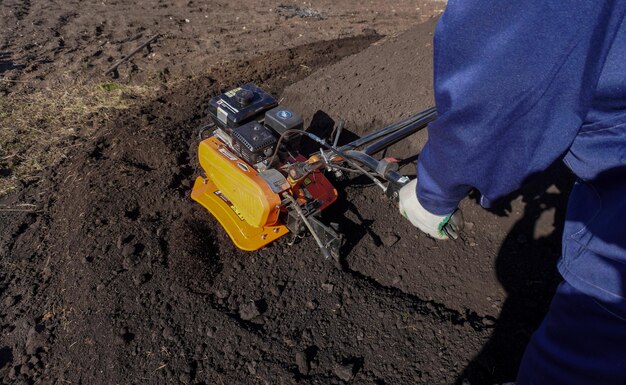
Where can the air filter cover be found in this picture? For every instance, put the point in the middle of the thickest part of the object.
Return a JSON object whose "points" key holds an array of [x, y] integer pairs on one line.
{"points": [[253, 142]]}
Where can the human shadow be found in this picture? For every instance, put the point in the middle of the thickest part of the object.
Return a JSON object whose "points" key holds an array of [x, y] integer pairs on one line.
{"points": [[525, 265], [526, 268]]}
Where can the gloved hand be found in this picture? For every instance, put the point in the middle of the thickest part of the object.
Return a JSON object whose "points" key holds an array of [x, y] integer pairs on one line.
{"points": [[437, 226]]}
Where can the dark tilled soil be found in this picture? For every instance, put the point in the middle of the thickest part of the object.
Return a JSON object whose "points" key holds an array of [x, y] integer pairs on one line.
{"points": [[115, 276], [389, 82], [42, 41]]}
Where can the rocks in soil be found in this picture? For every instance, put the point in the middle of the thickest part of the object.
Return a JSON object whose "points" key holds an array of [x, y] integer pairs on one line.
{"points": [[11, 300], [302, 363], [221, 293], [36, 338], [389, 240], [295, 10], [312, 304], [128, 250], [328, 287], [344, 372], [168, 333], [185, 378], [251, 366], [249, 311]]}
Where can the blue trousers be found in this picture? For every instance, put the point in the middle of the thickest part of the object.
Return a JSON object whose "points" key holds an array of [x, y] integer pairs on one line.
{"points": [[582, 340]]}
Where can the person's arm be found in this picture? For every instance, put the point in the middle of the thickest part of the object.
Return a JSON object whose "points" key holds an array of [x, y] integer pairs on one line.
{"points": [[513, 83]]}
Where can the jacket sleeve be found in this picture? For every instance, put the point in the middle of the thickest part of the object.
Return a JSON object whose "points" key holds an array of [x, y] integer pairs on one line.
{"points": [[513, 83]]}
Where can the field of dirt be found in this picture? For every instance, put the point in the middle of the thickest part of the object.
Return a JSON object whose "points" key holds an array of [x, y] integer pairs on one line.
{"points": [[41, 40], [110, 274]]}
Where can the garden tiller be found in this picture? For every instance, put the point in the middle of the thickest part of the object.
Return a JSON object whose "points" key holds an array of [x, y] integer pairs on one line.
{"points": [[260, 186]]}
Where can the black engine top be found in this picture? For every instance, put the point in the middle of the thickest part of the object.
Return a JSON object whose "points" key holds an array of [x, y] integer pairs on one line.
{"points": [[239, 106]]}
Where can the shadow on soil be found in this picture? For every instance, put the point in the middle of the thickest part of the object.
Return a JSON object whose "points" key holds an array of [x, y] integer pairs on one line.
{"points": [[525, 265], [6, 356], [6, 64], [526, 268]]}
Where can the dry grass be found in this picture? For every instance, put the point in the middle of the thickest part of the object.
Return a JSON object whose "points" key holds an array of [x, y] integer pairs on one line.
{"points": [[37, 128]]}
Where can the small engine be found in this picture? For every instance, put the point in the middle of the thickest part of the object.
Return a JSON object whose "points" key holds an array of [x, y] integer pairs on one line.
{"points": [[259, 192], [250, 121]]}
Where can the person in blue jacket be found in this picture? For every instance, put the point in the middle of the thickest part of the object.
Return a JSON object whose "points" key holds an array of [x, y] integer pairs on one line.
{"points": [[518, 86]]}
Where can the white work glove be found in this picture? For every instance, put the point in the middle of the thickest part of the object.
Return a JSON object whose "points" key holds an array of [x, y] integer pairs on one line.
{"points": [[437, 226]]}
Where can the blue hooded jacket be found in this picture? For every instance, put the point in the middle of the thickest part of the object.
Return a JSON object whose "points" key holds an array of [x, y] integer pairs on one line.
{"points": [[519, 85]]}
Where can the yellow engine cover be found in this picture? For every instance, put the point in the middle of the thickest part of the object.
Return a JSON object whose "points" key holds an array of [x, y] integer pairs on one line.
{"points": [[237, 196]]}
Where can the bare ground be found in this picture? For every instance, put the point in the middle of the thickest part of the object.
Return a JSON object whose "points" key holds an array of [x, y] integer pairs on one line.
{"points": [[109, 273]]}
